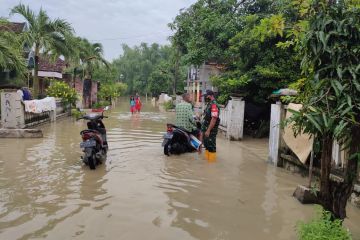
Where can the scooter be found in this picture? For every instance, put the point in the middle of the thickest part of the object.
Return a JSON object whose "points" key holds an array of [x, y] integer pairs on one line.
{"points": [[177, 141], [94, 142]]}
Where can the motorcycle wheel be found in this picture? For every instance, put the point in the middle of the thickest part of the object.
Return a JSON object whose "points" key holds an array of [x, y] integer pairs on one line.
{"points": [[92, 162], [166, 149]]}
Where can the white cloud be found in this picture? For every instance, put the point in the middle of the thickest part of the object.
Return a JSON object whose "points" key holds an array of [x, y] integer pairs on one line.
{"points": [[113, 22]]}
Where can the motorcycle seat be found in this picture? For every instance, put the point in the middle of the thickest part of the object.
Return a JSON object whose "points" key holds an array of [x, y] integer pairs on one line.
{"points": [[89, 131]]}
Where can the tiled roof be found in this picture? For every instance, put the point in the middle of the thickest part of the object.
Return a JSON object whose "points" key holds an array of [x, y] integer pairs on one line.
{"points": [[46, 65], [13, 27]]}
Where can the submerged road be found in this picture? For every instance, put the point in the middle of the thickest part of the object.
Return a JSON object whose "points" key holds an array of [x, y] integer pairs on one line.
{"points": [[47, 193]]}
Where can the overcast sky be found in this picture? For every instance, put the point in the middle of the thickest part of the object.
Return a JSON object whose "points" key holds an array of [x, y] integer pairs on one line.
{"points": [[111, 22]]}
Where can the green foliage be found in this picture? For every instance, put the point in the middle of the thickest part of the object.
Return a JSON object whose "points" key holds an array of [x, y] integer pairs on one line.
{"points": [[150, 69], [169, 105], [202, 31], [106, 74], [160, 79], [88, 57], [101, 104], [76, 113], [331, 100], [110, 91], [323, 227], [270, 27], [10, 50], [62, 90], [223, 98], [44, 34], [331, 50], [243, 37]]}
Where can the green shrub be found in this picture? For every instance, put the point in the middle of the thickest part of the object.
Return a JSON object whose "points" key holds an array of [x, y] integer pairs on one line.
{"points": [[101, 104], [323, 227], [62, 90], [76, 113], [223, 98], [110, 91], [169, 105]]}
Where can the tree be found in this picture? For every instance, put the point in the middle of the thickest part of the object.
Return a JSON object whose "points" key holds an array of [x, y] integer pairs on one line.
{"points": [[242, 37], [150, 69], [160, 79], [202, 31], [44, 35], [332, 104], [11, 55], [91, 56], [258, 67]]}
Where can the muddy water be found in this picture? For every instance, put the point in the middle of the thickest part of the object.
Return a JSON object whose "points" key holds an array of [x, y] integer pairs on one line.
{"points": [[46, 192]]}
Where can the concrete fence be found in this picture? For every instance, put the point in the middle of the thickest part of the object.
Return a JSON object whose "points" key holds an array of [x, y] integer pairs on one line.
{"points": [[14, 116]]}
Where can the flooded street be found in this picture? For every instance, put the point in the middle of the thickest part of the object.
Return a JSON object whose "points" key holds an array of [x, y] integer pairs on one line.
{"points": [[47, 193]]}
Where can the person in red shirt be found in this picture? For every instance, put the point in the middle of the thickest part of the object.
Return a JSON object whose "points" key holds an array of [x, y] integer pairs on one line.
{"points": [[138, 103]]}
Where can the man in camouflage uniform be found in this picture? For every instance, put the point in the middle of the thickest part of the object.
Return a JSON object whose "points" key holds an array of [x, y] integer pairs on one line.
{"points": [[210, 125]]}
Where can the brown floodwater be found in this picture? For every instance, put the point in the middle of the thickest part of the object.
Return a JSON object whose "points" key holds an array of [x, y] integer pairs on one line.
{"points": [[47, 193]]}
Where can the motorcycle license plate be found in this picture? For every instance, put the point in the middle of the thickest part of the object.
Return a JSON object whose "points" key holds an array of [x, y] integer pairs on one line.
{"points": [[88, 143]]}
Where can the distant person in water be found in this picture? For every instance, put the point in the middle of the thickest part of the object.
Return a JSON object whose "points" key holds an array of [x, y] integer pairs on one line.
{"points": [[132, 105], [137, 103]]}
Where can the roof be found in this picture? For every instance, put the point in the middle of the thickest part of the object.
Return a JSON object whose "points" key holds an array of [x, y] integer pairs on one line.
{"points": [[46, 65], [13, 27], [216, 64]]}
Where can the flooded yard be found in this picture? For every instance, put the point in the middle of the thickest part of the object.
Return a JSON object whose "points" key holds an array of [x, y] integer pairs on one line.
{"points": [[47, 193]]}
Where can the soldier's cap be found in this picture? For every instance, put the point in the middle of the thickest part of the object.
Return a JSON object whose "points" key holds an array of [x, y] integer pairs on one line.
{"points": [[208, 93]]}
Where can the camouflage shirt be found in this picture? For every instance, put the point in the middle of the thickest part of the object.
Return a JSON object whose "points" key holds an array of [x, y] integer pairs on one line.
{"points": [[212, 109]]}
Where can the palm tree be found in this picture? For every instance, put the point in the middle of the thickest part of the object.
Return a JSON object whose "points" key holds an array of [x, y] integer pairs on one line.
{"points": [[44, 35], [10, 50], [83, 57], [91, 56]]}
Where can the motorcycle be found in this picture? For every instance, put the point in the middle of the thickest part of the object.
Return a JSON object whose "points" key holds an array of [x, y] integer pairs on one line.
{"points": [[94, 142], [177, 141]]}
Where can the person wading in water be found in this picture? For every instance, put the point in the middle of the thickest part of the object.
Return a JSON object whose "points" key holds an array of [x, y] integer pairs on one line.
{"points": [[210, 125], [132, 105], [185, 117], [137, 103]]}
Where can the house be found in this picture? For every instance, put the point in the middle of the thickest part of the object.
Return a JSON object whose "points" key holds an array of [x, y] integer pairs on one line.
{"points": [[49, 69], [198, 79]]}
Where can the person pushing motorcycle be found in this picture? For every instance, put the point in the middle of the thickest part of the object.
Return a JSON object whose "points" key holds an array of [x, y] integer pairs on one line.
{"points": [[185, 116], [210, 125]]}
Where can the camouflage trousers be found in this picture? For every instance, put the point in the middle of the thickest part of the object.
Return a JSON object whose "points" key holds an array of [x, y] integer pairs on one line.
{"points": [[210, 142]]}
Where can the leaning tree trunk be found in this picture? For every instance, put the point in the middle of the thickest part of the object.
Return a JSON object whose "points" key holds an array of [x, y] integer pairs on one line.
{"points": [[325, 196], [36, 85], [342, 191], [176, 73]]}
